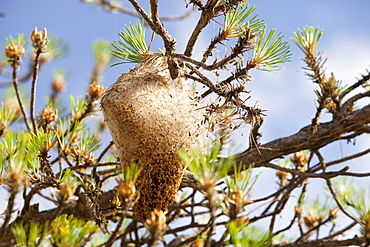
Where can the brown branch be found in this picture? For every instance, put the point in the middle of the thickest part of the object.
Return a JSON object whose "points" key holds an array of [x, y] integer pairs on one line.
{"points": [[111, 143], [349, 103], [350, 157], [326, 175], [326, 243], [365, 129], [202, 79], [193, 61], [16, 88], [325, 134], [283, 200], [243, 45], [315, 228], [107, 6], [159, 29], [24, 78], [336, 199], [143, 14], [207, 14], [13, 191], [36, 68], [341, 232], [361, 82], [155, 24]]}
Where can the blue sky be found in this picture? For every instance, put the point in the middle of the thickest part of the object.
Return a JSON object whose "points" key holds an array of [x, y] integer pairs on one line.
{"points": [[287, 95]]}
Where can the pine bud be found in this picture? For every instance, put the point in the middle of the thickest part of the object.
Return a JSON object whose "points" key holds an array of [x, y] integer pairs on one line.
{"points": [[39, 38]]}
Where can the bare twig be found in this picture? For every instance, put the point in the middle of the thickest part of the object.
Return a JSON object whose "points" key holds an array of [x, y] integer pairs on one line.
{"points": [[326, 175], [15, 84], [142, 13], [13, 191], [33, 88], [361, 82], [106, 149], [108, 6], [355, 241], [207, 14], [349, 103]]}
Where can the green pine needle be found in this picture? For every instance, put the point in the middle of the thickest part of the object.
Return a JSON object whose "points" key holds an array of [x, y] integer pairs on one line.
{"points": [[131, 45], [102, 52], [308, 39], [248, 236], [242, 180], [207, 167], [20, 41], [270, 52], [132, 172], [235, 21], [57, 47], [7, 116]]}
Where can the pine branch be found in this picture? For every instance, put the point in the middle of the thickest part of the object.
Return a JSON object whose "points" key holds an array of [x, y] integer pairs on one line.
{"points": [[358, 241], [208, 13], [361, 82], [326, 133]]}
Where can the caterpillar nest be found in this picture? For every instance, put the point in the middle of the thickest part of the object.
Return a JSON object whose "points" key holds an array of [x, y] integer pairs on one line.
{"points": [[150, 117]]}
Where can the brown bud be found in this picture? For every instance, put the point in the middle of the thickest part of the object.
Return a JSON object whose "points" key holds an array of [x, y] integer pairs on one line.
{"points": [[198, 243], [12, 51], [96, 90], [49, 145], [65, 192], [333, 212], [75, 151], [116, 202], [236, 198], [283, 177], [126, 188], [298, 210], [242, 220], [58, 84], [89, 158], [311, 220], [157, 220], [49, 114], [300, 159], [39, 37], [3, 128]]}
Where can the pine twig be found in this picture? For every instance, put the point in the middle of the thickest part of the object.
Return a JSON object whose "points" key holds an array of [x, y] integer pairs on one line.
{"points": [[33, 88], [207, 14], [16, 88]]}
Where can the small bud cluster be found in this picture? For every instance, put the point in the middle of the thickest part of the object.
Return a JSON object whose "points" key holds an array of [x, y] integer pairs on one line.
{"points": [[39, 39], [3, 128], [126, 188], [65, 193], [80, 156], [365, 224], [300, 159], [48, 116], [283, 177], [312, 220], [14, 51], [96, 91], [59, 84], [156, 224]]}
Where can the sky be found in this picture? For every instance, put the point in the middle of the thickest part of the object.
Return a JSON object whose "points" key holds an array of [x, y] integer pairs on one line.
{"points": [[287, 94]]}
